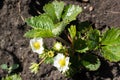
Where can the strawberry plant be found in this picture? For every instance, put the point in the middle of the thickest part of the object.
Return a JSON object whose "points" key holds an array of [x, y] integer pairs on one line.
{"points": [[10, 69], [82, 40]]}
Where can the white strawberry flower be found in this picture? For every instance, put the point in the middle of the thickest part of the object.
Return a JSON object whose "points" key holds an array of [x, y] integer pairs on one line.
{"points": [[37, 45], [61, 62]]}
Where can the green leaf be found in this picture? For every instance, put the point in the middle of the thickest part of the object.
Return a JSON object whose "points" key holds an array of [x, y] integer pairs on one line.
{"points": [[12, 77], [40, 22], [59, 27], [111, 42], [93, 39], [14, 66], [81, 46], [71, 12], [39, 33], [49, 9], [72, 31], [111, 37], [49, 24], [4, 66], [83, 27], [54, 10], [58, 6], [49, 60], [112, 53], [90, 62]]}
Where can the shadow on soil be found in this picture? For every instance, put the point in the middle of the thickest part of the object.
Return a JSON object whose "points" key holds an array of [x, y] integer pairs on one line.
{"points": [[104, 72], [1, 4], [36, 6], [15, 61]]}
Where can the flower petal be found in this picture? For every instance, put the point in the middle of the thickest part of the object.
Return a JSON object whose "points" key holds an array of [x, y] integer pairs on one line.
{"points": [[37, 45]]}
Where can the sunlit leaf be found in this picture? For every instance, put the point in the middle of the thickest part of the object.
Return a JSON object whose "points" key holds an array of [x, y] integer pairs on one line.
{"points": [[111, 37], [12, 77], [39, 33], [49, 9], [59, 27], [112, 53], [72, 31], [54, 10], [58, 6], [111, 45], [40, 22], [50, 24], [71, 12], [4, 66]]}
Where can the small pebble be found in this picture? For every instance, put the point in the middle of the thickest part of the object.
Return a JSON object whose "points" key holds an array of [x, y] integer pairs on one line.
{"points": [[91, 8], [85, 7], [85, 0]]}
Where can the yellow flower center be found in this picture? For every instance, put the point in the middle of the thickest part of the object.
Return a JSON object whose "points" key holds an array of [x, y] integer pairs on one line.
{"points": [[50, 53], [36, 45], [62, 62]]}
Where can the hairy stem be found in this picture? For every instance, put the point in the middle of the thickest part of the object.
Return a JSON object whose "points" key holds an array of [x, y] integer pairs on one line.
{"points": [[42, 61]]}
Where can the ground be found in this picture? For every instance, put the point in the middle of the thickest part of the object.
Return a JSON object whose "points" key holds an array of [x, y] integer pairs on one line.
{"points": [[14, 48]]}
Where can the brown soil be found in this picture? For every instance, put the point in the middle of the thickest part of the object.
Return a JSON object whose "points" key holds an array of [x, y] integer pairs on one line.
{"points": [[14, 48]]}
